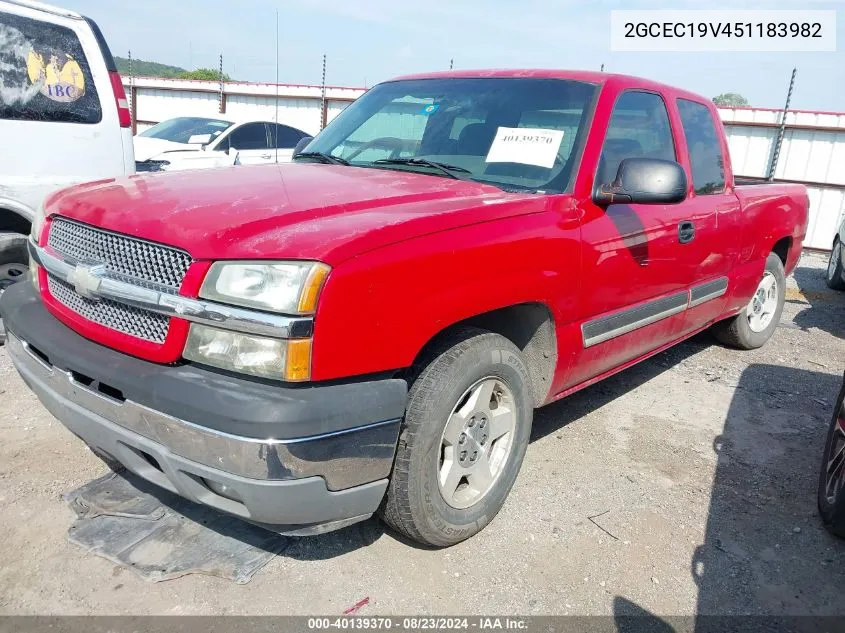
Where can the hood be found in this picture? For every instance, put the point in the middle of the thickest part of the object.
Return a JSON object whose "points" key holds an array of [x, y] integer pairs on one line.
{"points": [[147, 147], [296, 211]]}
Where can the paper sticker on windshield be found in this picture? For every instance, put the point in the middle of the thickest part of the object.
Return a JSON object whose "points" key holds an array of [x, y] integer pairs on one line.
{"points": [[526, 146], [60, 77], [430, 108]]}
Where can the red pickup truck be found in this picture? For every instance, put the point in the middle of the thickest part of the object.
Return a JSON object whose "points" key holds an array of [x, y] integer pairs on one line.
{"points": [[371, 327]]}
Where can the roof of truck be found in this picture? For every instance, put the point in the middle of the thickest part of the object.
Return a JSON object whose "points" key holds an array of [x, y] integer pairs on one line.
{"points": [[549, 73]]}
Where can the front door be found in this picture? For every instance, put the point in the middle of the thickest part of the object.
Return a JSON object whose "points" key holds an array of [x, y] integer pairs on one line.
{"points": [[634, 290]]}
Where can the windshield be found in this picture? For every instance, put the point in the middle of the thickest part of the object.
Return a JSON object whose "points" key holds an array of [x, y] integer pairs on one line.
{"points": [[180, 129], [515, 133]]}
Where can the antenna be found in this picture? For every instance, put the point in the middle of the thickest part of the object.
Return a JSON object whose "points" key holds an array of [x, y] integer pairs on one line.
{"points": [[324, 113], [276, 129], [451, 63]]}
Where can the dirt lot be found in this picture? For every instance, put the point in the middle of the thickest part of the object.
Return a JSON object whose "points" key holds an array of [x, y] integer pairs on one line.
{"points": [[701, 462]]}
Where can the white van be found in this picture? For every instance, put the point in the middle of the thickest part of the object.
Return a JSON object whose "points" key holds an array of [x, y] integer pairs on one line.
{"points": [[64, 117]]}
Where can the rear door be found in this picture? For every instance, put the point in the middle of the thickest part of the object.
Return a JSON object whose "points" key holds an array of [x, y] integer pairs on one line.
{"points": [[712, 210], [252, 142], [58, 119], [283, 140], [634, 290]]}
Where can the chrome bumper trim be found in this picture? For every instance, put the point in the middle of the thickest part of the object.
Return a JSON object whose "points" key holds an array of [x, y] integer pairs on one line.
{"points": [[345, 458], [163, 300]]}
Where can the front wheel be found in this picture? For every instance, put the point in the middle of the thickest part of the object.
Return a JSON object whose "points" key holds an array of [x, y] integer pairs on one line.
{"points": [[465, 433], [834, 276], [755, 325], [14, 259]]}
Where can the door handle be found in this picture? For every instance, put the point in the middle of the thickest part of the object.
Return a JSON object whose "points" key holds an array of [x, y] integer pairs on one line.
{"points": [[266, 156], [686, 232]]}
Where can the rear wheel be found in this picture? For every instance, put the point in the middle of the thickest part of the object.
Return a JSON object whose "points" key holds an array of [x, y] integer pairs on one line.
{"points": [[465, 433], [834, 267], [755, 325], [831, 496]]}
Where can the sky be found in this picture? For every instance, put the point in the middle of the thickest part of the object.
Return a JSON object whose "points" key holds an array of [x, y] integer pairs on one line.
{"points": [[367, 41]]}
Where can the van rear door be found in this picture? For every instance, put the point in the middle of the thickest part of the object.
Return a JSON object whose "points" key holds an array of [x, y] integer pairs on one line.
{"points": [[59, 120]]}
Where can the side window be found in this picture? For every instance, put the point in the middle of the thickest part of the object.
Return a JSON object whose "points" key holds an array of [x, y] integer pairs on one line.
{"points": [[705, 151], [249, 136], [284, 137], [639, 126], [44, 75]]}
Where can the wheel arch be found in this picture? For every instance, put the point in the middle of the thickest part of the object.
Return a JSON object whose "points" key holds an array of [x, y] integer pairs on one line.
{"points": [[782, 247], [14, 219], [530, 326]]}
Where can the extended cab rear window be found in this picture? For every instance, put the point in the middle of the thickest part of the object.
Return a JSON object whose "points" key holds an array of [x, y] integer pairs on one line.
{"points": [[44, 74]]}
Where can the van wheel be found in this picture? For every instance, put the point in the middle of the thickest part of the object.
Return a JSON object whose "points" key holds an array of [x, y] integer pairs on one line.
{"points": [[464, 436], [833, 278], [14, 259], [755, 325], [831, 496]]}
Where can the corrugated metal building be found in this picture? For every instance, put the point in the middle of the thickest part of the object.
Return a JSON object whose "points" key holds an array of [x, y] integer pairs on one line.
{"points": [[813, 151], [153, 100]]}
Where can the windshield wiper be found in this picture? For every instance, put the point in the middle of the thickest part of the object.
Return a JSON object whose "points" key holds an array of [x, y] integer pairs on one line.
{"points": [[453, 171], [323, 158]]}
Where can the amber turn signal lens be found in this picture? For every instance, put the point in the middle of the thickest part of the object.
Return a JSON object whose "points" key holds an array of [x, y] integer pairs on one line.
{"points": [[298, 367], [311, 290]]}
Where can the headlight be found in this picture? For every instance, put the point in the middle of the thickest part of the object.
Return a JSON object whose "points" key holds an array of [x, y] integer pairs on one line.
{"points": [[286, 287], [245, 353]]}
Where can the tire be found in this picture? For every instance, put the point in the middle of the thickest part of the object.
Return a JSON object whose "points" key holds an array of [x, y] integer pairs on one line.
{"points": [[738, 331], [831, 496], [463, 365], [14, 258], [833, 276]]}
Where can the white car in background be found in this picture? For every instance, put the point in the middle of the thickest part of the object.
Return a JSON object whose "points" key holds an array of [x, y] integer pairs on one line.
{"points": [[203, 143]]}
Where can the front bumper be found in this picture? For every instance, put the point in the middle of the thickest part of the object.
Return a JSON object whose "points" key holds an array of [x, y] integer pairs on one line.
{"points": [[239, 445]]}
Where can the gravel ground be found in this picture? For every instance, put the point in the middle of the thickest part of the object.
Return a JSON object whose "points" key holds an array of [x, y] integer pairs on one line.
{"points": [[698, 468]]}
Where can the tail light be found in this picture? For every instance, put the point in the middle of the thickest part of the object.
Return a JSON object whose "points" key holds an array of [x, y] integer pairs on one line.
{"points": [[123, 113]]}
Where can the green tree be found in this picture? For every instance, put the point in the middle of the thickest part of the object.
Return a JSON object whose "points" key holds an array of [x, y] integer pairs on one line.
{"points": [[730, 99], [206, 74]]}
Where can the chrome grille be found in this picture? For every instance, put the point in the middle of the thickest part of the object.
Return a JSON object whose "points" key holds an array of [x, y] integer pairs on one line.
{"points": [[126, 257], [111, 314]]}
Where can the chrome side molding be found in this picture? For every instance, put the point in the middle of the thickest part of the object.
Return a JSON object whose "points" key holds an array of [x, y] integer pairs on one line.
{"points": [[627, 320]]}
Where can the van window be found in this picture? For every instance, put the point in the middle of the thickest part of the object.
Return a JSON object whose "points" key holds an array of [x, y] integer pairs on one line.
{"points": [[639, 126], [705, 151], [44, 75]]}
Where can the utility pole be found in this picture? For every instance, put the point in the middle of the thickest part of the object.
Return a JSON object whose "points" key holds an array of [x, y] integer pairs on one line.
{"points": [[779, 140]]}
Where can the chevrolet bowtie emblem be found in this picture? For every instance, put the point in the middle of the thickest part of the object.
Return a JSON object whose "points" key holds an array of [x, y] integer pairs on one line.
{"points": [[86, 279]]}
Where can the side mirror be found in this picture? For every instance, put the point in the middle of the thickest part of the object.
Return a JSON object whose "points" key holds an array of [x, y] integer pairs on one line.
{"points": [[644, 181], [199, 139], [303, 142]]}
